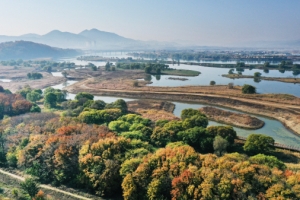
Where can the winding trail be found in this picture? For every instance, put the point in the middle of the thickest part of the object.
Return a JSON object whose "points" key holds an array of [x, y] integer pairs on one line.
{"points": [[20, 178]]}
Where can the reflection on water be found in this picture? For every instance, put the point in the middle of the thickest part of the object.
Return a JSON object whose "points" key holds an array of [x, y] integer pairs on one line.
{"points": [[215, 74], [211, 74], [271, 128], [57, 74], [64, 84], [5, 80]]}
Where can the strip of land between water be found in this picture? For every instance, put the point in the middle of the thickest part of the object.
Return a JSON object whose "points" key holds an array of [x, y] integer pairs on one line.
{"points": [[287, 113]]}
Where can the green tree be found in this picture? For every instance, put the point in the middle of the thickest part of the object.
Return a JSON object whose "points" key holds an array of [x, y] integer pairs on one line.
{"points": [[158, 71], [231, 71], [195, 120], [65, 73], [282, 64], [270, 161], [82, 95], [220, 145], [33, 96], [226, 132], [189, 112], [257, 74], [240, 65], [29, 76], [120, 104], [50, 100], [266, 64], [30, 187], [98, 105], [148, 69], [107, 66], [35, 108], [212, 83], [258, 143], [248, 89], [135, 84]]}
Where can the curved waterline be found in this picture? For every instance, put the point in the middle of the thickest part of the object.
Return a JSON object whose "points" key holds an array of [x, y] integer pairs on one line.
{"points": [[272, 127]]}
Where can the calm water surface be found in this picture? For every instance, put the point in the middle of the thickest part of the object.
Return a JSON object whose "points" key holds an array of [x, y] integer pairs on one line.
{"points": [[5, 80], [215, 74], [272, 127]]}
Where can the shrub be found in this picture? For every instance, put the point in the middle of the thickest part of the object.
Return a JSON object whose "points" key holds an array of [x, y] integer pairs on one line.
{"points": [[135, 84], [248, 89], [257, 74], [258, 143]]}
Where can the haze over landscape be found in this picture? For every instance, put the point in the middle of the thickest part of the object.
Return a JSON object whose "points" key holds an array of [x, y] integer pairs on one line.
{"points": [[202, 23], [150, 100]]}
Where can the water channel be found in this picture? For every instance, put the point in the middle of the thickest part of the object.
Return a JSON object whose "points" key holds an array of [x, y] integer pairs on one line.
{"points": [[272, 127], [215, 74]]}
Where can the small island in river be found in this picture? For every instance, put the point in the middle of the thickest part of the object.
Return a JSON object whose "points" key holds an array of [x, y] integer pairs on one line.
{"points": [[232, 118]]}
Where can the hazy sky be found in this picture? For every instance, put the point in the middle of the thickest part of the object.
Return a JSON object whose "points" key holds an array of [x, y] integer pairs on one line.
{"points": [[203, 22]]}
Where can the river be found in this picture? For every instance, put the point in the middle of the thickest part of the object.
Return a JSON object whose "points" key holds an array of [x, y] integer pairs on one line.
{"points": [[272, 127], [215, 74]]}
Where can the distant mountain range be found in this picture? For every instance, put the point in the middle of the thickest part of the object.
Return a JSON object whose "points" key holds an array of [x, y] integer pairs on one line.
{"points": [[88, 39], [31, 50], [95, 39]]}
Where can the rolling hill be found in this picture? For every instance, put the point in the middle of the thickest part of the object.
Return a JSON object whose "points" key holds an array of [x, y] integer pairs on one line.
{"points": [[88, 39], [31, 50]]}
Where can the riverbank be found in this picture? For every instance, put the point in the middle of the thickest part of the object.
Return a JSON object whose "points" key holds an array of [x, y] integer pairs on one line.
{"points": [[284, 108], [153, 109], [286, 80], [230, 118], [178, 79], [47, 81]]}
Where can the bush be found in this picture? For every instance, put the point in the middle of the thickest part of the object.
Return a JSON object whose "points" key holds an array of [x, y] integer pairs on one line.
{"points": [[212, 83], [135, 84], [257, 74], [258, 143], [270, 161], [248, 89], [30, 187], [86, 95], [220, 145]]}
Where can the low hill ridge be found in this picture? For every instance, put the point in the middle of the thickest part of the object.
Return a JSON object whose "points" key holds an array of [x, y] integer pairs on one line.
{"points": [[30, 50]]}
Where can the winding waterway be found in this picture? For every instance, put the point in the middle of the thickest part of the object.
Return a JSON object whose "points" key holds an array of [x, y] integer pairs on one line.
{"points": [[215, 74], [272, 127]]}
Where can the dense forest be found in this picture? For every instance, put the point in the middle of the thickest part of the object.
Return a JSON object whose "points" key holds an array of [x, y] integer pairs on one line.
{"points": [[106, 150]]}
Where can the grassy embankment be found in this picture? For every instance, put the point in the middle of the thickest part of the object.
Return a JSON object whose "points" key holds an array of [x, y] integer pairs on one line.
{"points": [[232, 118], [285, 108], [180, 72], [286, 80]]}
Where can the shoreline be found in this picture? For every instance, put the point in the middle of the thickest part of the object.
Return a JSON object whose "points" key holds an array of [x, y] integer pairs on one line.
{"points": [[283, 115], [239, 120], [280, 79]]}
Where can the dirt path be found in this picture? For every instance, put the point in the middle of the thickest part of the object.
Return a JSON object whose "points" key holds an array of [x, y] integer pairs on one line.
{"points": [[279, 105], [20, 178]]}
